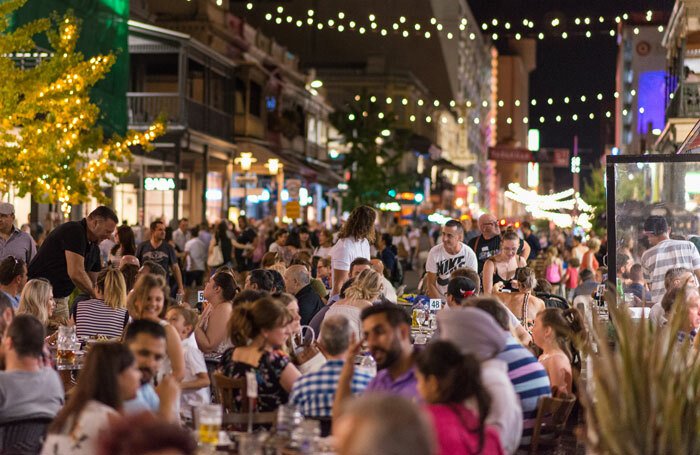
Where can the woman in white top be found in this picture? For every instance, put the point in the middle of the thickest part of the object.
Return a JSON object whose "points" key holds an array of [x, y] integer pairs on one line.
{"points": [[212, 333], [367, 288], [110, 377], [353, 242], [325, 240], [149, 303]]}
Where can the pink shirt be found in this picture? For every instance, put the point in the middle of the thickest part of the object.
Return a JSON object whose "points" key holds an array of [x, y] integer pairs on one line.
{"points": [[455, 426]]}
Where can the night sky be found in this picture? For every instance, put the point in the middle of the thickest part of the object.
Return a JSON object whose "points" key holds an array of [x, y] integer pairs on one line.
{"points": [[570, 67]]}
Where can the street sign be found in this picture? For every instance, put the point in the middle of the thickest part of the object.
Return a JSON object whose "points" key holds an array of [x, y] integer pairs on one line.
{"points": [[293, 209], [243, 192], [293, 186], [510, 154], [243, 179]]}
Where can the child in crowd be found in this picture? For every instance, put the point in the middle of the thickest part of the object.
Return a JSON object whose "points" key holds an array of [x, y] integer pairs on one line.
{"points": [[195, 385], [571, 277], [553, 332]]}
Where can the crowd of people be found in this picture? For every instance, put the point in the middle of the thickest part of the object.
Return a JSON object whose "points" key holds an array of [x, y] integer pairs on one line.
{"points": [[183, 303]]}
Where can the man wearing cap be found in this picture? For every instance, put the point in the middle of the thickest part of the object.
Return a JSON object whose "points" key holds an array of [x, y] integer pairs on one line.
{"points": [[14, 242], [664, 254]]}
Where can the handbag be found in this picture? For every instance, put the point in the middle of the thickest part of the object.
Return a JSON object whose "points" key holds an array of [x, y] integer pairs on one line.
{"points": [[310, 358], [216, 258]]}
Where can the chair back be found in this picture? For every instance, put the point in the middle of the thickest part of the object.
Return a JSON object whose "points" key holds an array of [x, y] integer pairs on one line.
{"points": [[23, 437], [226, 389], [553, 300], [552, 414]]}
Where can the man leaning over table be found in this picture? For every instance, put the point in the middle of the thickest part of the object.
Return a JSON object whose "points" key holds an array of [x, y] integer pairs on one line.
{"points": [[70, 256]]}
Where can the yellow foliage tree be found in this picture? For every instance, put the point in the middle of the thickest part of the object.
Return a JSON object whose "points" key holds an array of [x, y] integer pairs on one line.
{"points": [[50, 146]]}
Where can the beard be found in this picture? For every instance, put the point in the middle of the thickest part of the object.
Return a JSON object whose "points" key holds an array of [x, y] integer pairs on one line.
{"points": [[146, 375], [389, 357]]}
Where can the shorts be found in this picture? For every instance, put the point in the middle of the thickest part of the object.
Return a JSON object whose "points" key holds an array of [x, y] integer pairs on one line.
{"points": [[194, 277]]}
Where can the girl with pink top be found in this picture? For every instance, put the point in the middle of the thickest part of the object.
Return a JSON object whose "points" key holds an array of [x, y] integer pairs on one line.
{"points": [[446, 378]]}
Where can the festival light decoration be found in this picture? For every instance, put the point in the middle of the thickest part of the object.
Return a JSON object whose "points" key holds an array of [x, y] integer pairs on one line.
{"points": [[547, 206], [585, 28], [50, 145]]}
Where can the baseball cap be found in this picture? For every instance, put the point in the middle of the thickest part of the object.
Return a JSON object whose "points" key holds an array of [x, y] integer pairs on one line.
{"points": [[656, 225], [461, 287], [7, 208]]}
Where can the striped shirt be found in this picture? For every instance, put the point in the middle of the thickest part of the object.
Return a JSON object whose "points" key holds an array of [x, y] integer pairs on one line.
{"points": [[95, 317], [665, 255], [314, 392], [530, 381]]}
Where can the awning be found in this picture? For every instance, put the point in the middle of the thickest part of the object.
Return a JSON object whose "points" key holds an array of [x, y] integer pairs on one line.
{"points": [[309, 168], [442, 163]]}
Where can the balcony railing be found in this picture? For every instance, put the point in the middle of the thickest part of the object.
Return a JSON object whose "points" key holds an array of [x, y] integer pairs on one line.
{"points": [[686, 101], [144, 108]]}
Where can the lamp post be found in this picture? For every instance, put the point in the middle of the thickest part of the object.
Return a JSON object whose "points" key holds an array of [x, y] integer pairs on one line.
{"points": [[246, 161], [275, 167]]}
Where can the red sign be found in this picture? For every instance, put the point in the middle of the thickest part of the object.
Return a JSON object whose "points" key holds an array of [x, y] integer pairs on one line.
{"points": [[561, 158], [461, 192], [511, 154]]}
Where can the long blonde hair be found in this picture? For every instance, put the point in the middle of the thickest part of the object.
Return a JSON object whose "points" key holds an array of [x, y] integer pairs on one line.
{"points": [[35, 299], [367, 286], [111, 284]]}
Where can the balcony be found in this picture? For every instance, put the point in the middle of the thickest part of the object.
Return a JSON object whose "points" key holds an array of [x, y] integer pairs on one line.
{"points": [[685, 102], [181, 111]]}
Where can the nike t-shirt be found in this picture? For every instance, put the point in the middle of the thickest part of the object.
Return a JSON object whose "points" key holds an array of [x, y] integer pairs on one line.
{"points": [[442, 263]]}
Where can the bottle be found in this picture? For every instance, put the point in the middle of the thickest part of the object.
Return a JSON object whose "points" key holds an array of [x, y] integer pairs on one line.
{"points": [[620, 291], [305, 437], [288, 418]]}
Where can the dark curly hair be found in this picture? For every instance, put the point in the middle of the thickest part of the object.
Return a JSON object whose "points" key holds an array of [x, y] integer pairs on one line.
{"points": [[360, 224]]}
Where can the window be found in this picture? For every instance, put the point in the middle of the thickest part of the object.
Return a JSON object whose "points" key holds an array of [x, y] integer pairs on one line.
{"points": [[255, 99]]}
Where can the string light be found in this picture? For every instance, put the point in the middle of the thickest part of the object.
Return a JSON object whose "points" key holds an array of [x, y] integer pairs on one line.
{"points": [[418, 28]]}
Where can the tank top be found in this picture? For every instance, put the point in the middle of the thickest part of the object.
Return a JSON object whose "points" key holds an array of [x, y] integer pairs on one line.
{"points": [[552, 274]]}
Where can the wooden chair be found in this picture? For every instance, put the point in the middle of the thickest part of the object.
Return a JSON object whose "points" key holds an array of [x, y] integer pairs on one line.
{"points": [[552, 415], [237, 416], [226, 389]]}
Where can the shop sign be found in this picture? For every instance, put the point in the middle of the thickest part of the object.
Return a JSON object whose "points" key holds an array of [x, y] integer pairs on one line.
{"points": [[510, 154], [158, 184], [389, 206], [293, 210], [213, 194], [293, 186]]}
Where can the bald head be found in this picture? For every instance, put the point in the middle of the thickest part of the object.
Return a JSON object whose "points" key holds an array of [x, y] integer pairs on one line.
{"points": [[488, 225], [377, 265], [295, 278], [129, 259]]}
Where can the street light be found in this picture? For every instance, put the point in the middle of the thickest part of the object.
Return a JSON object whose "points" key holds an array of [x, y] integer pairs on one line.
{"points": [[246, 160], [273, 165]]}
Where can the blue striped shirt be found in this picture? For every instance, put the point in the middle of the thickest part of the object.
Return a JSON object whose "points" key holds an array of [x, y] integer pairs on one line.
{"points": [[530, 381], [314, 392]]}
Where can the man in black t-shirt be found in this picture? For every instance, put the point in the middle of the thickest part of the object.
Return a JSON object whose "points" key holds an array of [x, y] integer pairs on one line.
{"points": [[161, 252], [70, 256], [489, 242]]}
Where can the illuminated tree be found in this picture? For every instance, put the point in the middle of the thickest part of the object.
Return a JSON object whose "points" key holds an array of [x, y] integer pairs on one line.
{"points": [[50, 146], [375, 149]]}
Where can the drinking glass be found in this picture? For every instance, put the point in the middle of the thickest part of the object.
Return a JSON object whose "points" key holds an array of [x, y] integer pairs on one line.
{"points": [[209, 418], [66, 344], [420, 318]]}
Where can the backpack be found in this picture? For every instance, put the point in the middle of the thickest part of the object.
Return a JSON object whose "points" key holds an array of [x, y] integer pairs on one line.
{"points": [[396, 277]]}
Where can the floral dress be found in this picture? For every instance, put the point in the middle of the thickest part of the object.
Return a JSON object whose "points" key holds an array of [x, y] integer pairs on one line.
{"points": [[271, 394]]}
